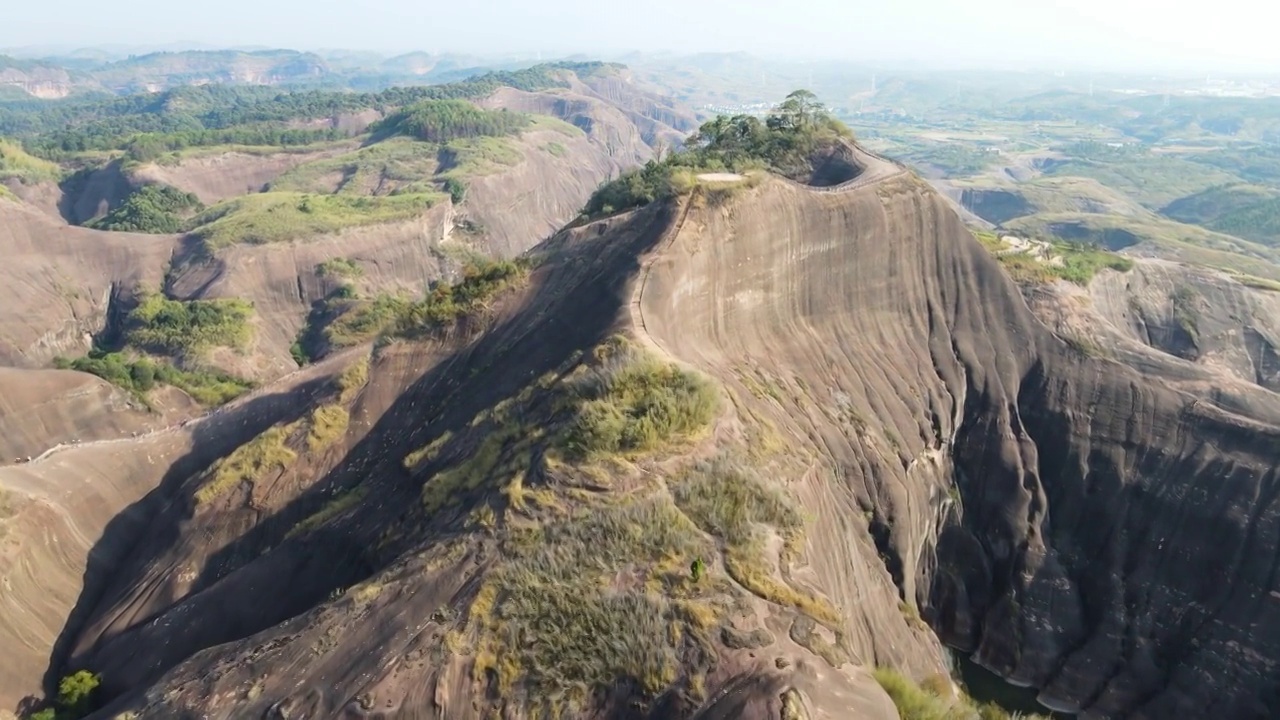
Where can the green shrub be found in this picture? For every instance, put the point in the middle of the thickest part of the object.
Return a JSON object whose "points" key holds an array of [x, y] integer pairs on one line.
{"points": [[1080, 263], [440, 121], [339, 267], [360, 320], [150, 209], [785, 143], [357, 321], [456, 189], [177, 326], [633, 403], [139, 375], [75, 697]]}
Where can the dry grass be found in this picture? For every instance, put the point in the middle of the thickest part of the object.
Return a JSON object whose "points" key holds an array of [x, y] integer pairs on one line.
{"points": [[353, 378], [733, 503], [933, 702], [427, 452], [331, 510], [249, 463], [499, 457], [593, 589], [17, 164], [1257, 283], [631, 403], [328, 425], [552, 623]]}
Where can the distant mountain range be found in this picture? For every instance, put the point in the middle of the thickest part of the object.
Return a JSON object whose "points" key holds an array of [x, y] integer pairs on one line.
{"points": [[29, 73]]}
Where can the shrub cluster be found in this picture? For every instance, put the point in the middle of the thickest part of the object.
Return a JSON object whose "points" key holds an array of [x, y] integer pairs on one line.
{"points": [[208, 387], [150, 209], [439, 121], [632, 403], [167, 326]]}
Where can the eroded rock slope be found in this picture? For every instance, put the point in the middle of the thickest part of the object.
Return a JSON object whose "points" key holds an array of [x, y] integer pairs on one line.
{"points": [[1079, 521]]}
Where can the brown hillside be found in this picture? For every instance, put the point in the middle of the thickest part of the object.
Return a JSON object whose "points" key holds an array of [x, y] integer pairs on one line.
{"points": [[60, 281], [508, 208], [40, 409], [217, 177], [950, 460]]}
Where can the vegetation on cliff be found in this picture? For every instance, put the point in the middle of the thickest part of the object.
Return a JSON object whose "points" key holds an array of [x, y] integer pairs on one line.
{"points": [[140, 374], [17, 164], [150, 209], [1075, 262], [785, 143], [75, 697], [937, 699], [345, 319], [440, 121], [282, 216], [166, 326]]}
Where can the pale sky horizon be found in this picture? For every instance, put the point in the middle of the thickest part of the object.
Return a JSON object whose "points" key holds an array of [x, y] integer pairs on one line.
{"points": [[1118, 35]]}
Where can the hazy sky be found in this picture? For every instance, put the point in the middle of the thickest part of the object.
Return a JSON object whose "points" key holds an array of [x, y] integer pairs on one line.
{"points": [[1117, 34]]}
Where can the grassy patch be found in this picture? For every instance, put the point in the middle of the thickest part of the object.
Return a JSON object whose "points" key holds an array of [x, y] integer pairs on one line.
{"points": [[1173, 240], [549, 627], [555, 148], [332, 509], [931, 702], [546, 122], [328, 425], [16, 164], [176, 326], [381, 168], [1074, 262], [1185, 302], [734, 504], [283, 216], [353, 378], [632, 403], [360, 320], [342, 268], [1257, 283], [593, 591], [1080, 263], [363, 320], [427, 452], [207, 387], [476, 157], [248, 463]]}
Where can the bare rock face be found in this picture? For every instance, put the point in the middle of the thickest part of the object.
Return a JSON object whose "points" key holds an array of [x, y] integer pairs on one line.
{"points": [[1201, 316], [41, 409], [61, 282], [44, 82], [1096, 525]]}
